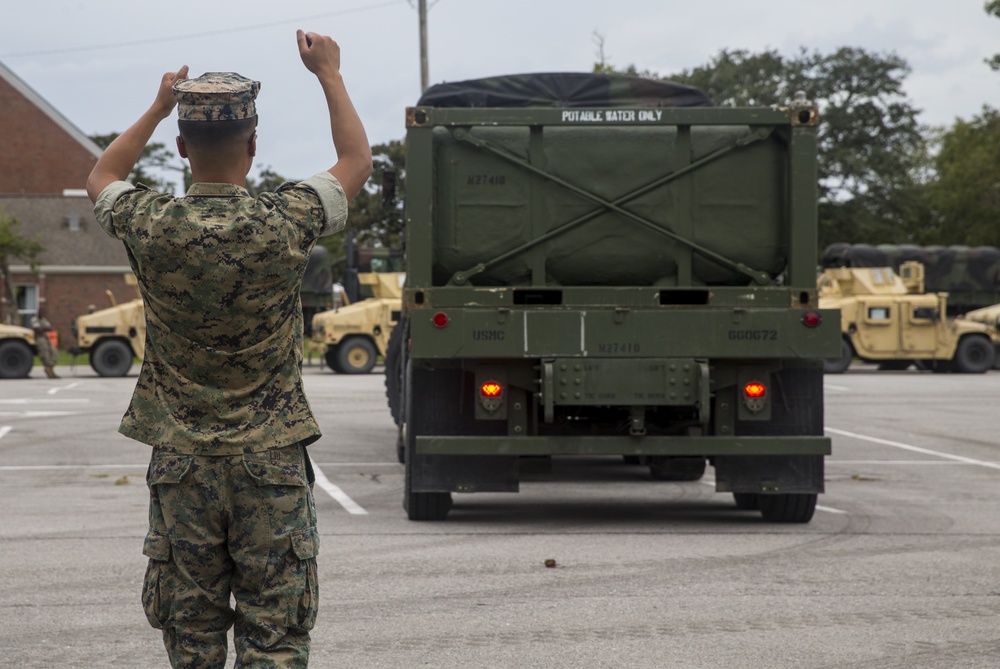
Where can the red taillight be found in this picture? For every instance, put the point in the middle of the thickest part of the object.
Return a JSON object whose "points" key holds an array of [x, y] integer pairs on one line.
{"points": [[491, 395], [491, 389], [811, 319], [440, 319], [754, 396]]}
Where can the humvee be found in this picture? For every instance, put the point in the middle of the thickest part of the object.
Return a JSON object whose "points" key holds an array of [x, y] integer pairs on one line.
{"points": [[887, 318]]}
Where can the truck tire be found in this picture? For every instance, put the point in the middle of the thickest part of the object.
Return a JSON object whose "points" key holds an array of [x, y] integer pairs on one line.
{"points": [[840, 365], [974, 355], [422, 505], [394, 366], [746, 501], [355, 355], [787, 508], [16, 359], [426, 505], [111, 357], [676, 468]]}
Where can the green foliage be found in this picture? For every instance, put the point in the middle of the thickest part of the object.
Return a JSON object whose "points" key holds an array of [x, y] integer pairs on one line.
{"points": [[965, 197], [155, 156], [873, 158], [15, 246], [992, 8], [373, 219]]}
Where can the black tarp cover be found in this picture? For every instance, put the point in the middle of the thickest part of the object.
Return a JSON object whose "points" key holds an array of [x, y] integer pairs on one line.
{"points": [[563, 89]]}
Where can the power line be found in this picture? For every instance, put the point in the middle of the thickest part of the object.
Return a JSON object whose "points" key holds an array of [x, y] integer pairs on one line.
{"points": [[177, 38]]}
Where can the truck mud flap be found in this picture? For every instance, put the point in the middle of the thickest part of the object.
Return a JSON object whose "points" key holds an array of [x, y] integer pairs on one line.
{"points": [[769, 474], [455, 473]]}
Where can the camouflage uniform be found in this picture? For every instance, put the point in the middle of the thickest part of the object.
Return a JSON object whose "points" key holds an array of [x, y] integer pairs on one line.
{"points": [[220, 399], [46, 351]]}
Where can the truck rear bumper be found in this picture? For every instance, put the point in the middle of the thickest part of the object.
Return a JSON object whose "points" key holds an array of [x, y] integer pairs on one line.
{"points": [[623, 445]]}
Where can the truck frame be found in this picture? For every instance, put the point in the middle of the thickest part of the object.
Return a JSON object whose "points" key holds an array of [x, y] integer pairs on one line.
{"points": [[487, 375]]}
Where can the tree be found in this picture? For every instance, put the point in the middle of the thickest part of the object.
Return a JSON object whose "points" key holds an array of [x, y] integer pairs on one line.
{"points": [[965, 197], [873, 158], [375, 217], [992, 8], [15, 246], [155, 156]]}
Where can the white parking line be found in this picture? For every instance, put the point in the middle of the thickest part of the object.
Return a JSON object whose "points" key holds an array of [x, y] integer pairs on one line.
{"points": [[336, 493], [914, 449], [53, 391]]}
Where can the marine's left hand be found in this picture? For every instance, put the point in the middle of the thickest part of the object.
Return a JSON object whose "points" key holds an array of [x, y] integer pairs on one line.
{"points": [[165, 99]]}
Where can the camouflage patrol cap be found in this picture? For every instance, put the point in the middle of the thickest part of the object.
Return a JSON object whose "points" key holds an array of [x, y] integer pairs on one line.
{"points": [[216, 96]]}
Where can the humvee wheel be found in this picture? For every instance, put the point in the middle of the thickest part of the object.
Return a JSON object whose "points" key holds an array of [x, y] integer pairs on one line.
{"points": [[16, 359], [746, 501], [355, 356], [974, 355], [111, 357], [676, 468], [787, 508], [839, 365]]}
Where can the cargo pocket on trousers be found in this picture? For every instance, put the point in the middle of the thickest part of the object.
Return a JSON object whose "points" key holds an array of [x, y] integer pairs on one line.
{"points": [[156, 606], [305, 547]]}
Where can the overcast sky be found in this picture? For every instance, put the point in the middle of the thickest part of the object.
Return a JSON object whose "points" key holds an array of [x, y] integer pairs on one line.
{"points": [[99, 62]]}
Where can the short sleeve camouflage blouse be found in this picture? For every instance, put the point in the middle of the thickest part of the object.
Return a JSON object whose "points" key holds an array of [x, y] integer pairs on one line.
{"points": [[219, 272]]}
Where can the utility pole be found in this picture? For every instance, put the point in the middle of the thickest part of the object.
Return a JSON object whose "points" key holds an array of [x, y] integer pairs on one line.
{"points": [[422, 10]]}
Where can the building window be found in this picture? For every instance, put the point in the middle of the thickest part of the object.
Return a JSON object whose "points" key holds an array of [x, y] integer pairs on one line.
{"points": [[27, 301]]}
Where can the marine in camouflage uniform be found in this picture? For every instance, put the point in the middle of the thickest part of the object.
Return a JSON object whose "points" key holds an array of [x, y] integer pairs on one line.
{"points": [[46, 351], [219, 396]]}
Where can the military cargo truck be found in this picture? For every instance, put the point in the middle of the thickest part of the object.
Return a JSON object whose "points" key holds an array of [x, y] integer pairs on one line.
{"points": [[607, 266], [352, 336], [17, 351], [970, 275], [888, 319]]}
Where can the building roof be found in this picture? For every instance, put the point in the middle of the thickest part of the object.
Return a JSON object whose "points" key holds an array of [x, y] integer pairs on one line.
{"points": [[38, 101], [68, 231]]}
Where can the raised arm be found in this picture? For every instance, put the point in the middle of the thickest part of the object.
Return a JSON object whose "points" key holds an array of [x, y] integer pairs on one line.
{"points": [[120, 157], [321, 56]]}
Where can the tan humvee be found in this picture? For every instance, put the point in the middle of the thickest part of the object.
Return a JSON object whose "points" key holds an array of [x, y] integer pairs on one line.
{"points": [[17, 351], [888, 319], [353, 336], [113, 336]]}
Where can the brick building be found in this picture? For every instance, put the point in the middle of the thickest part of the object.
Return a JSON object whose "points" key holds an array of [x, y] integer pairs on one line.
{"points": [[44, 164]]}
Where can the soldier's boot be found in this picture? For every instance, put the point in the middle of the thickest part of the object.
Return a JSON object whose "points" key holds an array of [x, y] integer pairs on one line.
{"points": [[51, 373]]}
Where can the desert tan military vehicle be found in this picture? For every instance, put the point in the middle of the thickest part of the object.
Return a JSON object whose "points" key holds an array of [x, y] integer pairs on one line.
{"points": [[887, 318], [17, 351], [354, 335], [113, 337], [990, 317]]}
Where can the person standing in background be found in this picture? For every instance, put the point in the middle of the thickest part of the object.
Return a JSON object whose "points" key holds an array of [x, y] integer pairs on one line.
{"points": [[47, 352]]}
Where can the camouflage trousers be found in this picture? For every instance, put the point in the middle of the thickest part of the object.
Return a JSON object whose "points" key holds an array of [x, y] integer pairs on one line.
{"points": [[240, 525], [46, 351]]}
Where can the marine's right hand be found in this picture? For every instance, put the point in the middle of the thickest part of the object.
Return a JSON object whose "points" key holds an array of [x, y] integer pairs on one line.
{"points": [[319, 53]]}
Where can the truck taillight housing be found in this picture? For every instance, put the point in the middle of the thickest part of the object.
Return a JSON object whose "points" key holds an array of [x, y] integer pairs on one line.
{"points": [[491, 395], [754, 395], [440, 319], [811, 319]]}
